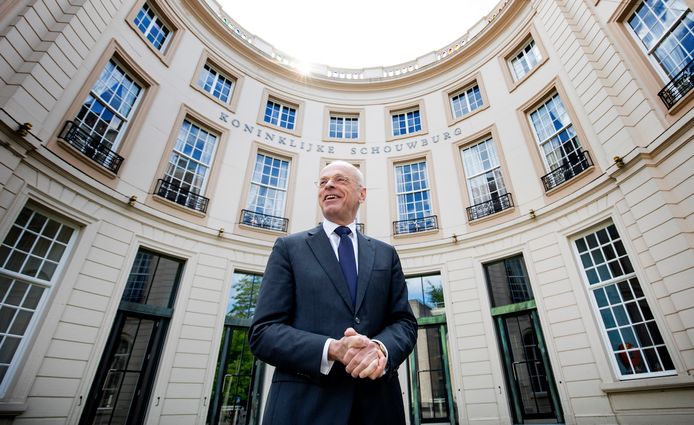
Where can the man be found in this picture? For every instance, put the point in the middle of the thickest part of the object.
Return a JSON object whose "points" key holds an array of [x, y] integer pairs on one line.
{"points": [[336, 329]]}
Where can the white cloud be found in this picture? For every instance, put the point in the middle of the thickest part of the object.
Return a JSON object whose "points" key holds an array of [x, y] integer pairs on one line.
{"points": [[358, 33]]}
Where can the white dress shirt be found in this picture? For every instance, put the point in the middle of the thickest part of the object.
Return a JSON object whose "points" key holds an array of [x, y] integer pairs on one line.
{"points": [[329, 228]]}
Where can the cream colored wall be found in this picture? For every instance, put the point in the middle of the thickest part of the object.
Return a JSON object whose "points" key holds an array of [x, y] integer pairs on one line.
{"points": [[649, 201]]}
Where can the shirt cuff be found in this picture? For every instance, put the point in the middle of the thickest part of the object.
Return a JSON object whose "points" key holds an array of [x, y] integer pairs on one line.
{"points": [[325, 364], [385, 353]]}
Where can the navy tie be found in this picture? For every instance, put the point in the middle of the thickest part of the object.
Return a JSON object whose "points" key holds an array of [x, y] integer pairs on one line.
{"points": [[345, 252]]}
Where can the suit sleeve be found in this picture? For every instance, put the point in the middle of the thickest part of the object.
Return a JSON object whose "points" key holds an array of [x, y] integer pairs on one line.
{"points": [[271, 337], [400, 333]]}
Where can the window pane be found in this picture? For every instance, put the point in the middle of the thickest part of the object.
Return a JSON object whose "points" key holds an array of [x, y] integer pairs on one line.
{"points": [[243, 295], [152, 280], [508, 282], [626, 318]]}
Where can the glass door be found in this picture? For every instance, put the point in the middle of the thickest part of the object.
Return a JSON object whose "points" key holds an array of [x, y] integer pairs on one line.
{"points": [[431, 398], [236, 391], [527, 369], [235, 398]]}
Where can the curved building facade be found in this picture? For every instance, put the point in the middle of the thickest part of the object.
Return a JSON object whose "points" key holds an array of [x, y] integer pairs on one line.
{"points": [[535, 177]]}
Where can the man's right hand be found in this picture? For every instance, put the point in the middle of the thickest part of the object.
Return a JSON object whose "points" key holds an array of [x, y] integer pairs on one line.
{"points": [[344, 349], [361, 356]]}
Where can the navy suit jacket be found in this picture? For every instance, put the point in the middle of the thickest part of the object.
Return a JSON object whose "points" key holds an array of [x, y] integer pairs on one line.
{"points": [[303, 300]]}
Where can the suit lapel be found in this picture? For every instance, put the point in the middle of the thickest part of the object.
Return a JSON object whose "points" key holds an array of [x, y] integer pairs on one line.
{"points": [[323, 251], [366, 264]]}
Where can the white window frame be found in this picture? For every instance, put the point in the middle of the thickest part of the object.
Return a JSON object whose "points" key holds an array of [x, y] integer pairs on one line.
{"points": [[528, 55], [124, 117], [649, 52], [554, 135], [341, 126], [276, 212], [477, 170], [410, 121], [612, 280], [466, 100], [218, 77], [291, 111], [46, 284], [155, 19], [177, 153], [402, 208]]}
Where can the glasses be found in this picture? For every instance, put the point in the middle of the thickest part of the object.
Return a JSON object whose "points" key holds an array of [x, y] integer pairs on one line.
{"points": [[337, 179]]}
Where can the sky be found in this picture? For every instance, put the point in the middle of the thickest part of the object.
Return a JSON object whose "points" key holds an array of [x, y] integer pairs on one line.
{"points": [[357, 33]]}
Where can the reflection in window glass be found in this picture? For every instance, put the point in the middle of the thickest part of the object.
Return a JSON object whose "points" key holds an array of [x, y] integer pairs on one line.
{"points": [[666, 29], [466, 101], [243, 295], [525, 60], [406, 122], [425, 294], [216, 83], [152, 280], [508, 281], [633, 336]]}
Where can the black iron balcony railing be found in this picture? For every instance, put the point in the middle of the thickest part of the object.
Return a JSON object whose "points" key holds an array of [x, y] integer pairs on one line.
{"points": [[490, 207], [568, 170], [415, 225], [264, 221], [90, 146], [174, 192], [679, 86]]}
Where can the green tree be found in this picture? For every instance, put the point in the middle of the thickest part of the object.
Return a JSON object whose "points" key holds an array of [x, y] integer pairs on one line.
{"points": [[245, 295], [435, 294]]}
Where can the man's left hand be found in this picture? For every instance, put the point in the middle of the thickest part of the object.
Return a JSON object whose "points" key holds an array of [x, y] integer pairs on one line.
{"points": [[365, 362]]}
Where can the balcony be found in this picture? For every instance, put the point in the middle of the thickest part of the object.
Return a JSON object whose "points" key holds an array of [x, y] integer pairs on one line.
{"points": [[90, 146], [679, 86], [175, 193], [415, 225], [565, 172], [264, 221], [490, 207]]}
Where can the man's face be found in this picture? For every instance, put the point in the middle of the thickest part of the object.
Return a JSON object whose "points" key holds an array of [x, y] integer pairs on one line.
{"points": [[340, 196]]}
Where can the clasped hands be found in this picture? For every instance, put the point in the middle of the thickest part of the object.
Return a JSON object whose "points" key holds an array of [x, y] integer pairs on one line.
{"points": [[361, 356]]}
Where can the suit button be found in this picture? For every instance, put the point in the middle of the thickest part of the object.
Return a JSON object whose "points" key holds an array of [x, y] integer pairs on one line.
{"points": [[356, 320]]}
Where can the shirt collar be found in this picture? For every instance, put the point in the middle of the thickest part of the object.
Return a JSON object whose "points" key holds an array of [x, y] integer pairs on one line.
{"points": [[329, 227]]}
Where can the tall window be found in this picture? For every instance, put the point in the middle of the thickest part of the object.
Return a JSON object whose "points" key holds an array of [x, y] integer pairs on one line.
{"points": [[627, 323], [189, 166], [268, 193], [153, 27], [561, 150], [216, 83], [280, 115], [666, 31], [406, 122], [344, 127], [31, 255], [413, 198], [484, 180], [123, 382], [109, 107], [525, 60], [466, 101]]}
